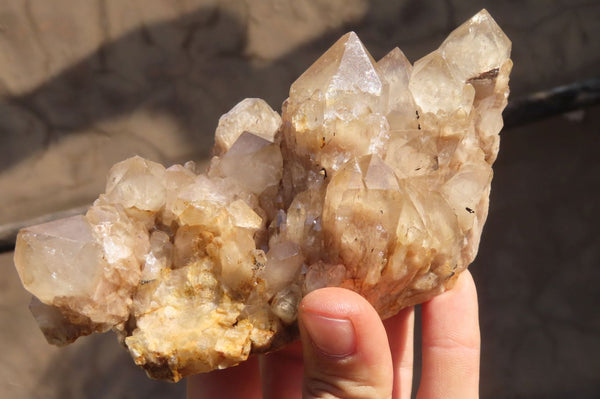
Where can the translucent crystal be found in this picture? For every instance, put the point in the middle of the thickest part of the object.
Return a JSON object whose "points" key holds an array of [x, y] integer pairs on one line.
{"points": [[395, 69], [337, 102], [137, 183], [345, 70], [261, 162], [481, 41], [67, 256], [251, 115], [284, 261], [159, 257], [436, 89], [376, 179]]}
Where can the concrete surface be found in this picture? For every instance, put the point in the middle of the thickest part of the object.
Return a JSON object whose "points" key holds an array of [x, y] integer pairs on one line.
{"points": [[85, 84]]}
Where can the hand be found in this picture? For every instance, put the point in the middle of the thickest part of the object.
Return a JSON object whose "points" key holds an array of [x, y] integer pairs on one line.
{"points": [[347, 352]]}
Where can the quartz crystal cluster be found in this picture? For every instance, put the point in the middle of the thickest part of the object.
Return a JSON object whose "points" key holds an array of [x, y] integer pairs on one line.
{"points": [[375, 178]]}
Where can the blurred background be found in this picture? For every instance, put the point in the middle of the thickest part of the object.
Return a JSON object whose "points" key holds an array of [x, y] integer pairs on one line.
{"points": [[84, 84]]}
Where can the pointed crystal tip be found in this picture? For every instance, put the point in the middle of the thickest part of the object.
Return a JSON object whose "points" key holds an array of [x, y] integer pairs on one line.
{"points": [[346, 67], [58, 258], [476, 47]]}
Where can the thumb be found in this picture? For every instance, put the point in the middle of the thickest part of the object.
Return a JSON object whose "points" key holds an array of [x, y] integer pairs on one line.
{"points": [[345, 347]]}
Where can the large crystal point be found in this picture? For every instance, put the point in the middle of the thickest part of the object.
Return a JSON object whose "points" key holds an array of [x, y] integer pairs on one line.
{"points": [[437, 90], [346, 69], [395, 69], [481, 41], [67, 255], [376, 178], [337, 102]]}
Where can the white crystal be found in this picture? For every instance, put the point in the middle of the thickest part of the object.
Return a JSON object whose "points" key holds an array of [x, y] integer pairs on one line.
{"points": [[395, 69], [435, 89], [137, 183], [159, 257], [66, 255], [251, 115], [284, 261], [254, 163], [345, 69], [479, 40]]}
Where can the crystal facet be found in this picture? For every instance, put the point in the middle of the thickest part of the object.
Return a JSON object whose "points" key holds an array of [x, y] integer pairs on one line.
{"points": [[376, 178]]}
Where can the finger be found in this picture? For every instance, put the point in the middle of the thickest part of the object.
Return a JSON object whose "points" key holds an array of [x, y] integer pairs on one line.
{"points": [[400, 332], [345, 347], [281, 373], [242, 381], [451, 343]]}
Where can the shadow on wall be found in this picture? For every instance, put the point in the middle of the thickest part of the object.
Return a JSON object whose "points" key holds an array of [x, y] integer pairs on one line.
{"points": [[163, 68], [192, 69]]}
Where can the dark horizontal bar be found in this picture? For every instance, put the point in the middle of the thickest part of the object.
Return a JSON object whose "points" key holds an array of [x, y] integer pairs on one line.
{"points": [[558, 100]]}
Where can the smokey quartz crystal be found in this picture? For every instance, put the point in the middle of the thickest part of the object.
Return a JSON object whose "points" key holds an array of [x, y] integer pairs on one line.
{"points": [[376, 177]]}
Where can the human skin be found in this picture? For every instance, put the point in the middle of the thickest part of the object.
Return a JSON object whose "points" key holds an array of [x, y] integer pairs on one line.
{"points": [[346, 351]]}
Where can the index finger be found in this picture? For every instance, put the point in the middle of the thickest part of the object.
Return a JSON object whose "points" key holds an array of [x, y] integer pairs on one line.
{"points": [[451, 343]]}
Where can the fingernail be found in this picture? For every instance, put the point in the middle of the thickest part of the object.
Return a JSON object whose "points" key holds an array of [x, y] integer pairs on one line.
{"points": [[333, 337]]}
